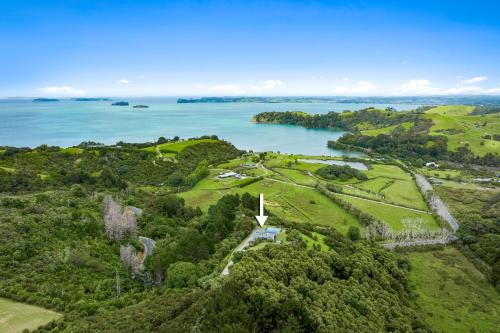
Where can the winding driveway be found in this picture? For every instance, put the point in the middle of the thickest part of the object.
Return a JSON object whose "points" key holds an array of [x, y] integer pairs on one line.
{"points": [[239, 248]]}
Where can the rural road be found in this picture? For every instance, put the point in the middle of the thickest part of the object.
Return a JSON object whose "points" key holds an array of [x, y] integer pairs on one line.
{"points": [[149, 245], [436, 203], [239, 248]]}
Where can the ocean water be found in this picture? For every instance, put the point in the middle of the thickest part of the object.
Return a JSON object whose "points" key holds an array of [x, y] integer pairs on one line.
{"points": [[24, 123]]}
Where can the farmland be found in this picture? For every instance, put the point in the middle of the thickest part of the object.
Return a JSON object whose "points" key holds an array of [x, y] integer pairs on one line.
{"points": [[289, 188], [462, 129]]}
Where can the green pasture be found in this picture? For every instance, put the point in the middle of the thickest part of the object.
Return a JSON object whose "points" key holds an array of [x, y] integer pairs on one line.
{"points": [[438, 173], [461, 129], [452, 295], [393, 216], [296, 176], [451, 110], [15, 317]]}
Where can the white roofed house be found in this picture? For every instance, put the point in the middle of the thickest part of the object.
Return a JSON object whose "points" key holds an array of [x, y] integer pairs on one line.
{"points": [[228, 174]]}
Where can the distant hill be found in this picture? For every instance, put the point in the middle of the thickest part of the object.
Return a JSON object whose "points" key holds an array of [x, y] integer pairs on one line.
{"points": [[92, 99], [39, 100], [419, 100]]}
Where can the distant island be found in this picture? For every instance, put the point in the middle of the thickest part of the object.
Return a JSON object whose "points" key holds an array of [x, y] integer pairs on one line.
{"points": [[141, 106], [37, 100], [256, 100], [91, 99], [418, 100], [122, 103]]}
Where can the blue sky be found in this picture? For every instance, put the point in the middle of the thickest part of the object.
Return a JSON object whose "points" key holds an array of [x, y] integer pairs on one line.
{"points": [[172, 48]]}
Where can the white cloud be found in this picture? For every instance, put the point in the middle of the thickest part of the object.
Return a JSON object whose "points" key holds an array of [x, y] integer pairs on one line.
{"points": [[62, 91], [360, 87], [232, 88], [345, 79], [475, 79], [124, 81], [459, 90], [493, 91], [269, 84], [420, 86]]}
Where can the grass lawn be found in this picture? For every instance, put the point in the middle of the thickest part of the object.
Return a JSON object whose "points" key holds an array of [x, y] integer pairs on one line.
{"points": [[385, 130], [14, 317], [391, 215], [177, 147], [453, 296]]}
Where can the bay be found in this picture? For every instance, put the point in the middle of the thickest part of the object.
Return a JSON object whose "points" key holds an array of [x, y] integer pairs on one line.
{"points": [[24, 123]]}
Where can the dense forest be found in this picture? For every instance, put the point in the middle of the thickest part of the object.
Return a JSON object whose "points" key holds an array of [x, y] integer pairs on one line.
{"points": [[356, 288], [44, 167]]}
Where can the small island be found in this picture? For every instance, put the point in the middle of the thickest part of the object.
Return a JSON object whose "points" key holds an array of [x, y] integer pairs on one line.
{"points": [[122, 103], [38, 100], [140, 106]]}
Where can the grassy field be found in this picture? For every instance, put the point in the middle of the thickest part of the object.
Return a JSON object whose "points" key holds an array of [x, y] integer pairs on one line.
{"points": [[296, 176], [453, 296], [385, 130], [393, 216], [443, 174], [14, 317], [451, 110], [176, 147], [387, 183], [461, 129]]}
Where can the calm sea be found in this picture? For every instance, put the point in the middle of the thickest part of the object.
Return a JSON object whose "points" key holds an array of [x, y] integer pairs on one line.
{"points": [[67, 123]]}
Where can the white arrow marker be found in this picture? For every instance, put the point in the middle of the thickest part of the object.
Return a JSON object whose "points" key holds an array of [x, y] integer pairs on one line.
{"points": [[261, 218]]}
